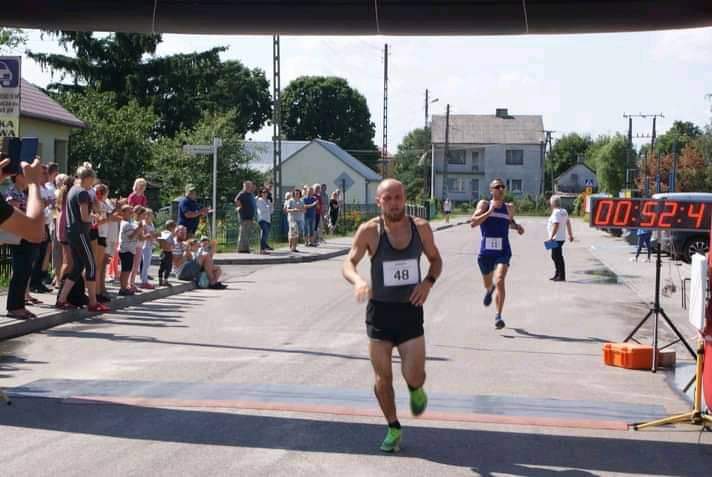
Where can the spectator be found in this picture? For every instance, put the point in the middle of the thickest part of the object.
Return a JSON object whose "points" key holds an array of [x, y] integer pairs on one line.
{"points": [[333, 211], [295, 219], [64, 183], [147, 251], [324, 209], [139, 214], [310, 205], [181, 235], [78, 225], [166, 242], [557, 226], [41, 264], [644, 237], [320, 206], [138, 196], [264, 219], [204, 258], [107, 223], [246, 205], [129, 234], [27, 226], [50, 187], [189, 212], [24, 254], [447, 209], [188, 269]]}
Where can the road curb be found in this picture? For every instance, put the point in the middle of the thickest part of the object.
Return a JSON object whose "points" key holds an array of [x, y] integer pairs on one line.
{"points": [[305, 258], [54, 319]]}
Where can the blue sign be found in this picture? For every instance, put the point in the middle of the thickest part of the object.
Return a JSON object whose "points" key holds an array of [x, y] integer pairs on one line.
{"points": [[9, 73], [344, 182]]}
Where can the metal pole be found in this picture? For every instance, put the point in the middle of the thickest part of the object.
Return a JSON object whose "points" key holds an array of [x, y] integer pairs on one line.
{"points": [[447, 144], [657, 156], [627, 152], [216, 144], [426, 109], [673, 177], [384, 151], [276, 124]]}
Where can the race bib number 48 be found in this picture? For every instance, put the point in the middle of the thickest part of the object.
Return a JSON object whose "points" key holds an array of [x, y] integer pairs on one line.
{"points": [[400, 273], [493, 243]]}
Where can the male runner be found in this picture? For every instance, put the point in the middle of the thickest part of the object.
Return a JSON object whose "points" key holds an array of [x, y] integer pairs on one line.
{"points": [[394, 316], [495, 218]]}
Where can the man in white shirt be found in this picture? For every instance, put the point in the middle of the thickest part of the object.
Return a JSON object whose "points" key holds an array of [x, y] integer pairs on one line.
{"points": [[557, 226]]}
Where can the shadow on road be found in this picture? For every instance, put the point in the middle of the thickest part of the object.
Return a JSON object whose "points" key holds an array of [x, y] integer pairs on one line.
{"points": [[485, 452]]}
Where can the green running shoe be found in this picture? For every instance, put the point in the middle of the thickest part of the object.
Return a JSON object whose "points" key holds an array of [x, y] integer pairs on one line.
{"points": [[418, 401], [392, 441]]}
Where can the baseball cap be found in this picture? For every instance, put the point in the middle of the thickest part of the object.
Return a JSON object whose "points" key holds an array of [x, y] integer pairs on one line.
{"points": [[189, 188]]}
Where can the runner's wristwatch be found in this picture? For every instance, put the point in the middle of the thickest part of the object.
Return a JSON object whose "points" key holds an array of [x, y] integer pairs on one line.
{"points": [[431, 279]]}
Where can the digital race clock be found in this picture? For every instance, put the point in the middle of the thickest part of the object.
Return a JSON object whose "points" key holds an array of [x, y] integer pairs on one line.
{"points": [[668, 214]]}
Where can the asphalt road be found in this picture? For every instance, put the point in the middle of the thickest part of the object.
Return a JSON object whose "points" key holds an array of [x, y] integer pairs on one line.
{"points": [[271, 377]]}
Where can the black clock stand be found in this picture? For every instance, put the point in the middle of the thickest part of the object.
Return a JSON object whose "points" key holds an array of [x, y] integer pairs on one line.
{"points": [[656, 311]]}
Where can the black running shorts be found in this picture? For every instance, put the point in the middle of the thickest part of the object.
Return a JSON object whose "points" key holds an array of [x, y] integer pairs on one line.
{"points": [[393, 322]]}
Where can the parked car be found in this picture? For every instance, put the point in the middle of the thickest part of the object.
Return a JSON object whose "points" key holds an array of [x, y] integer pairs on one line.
{"points": [[682, 245]]}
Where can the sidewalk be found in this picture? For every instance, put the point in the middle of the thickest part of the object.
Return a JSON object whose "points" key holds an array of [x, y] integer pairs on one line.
{"points": [[48, 316], [330, 248]]}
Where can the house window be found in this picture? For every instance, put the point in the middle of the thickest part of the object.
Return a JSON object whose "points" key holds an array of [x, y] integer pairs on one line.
{"points": [[455, 184], [475, 188], [476, 162], [515, 157], [514, 186], [456, 157]]}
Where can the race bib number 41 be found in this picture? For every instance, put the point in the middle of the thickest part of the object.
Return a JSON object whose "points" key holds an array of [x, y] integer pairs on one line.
{"points": [[493, 243], [400, 273]]}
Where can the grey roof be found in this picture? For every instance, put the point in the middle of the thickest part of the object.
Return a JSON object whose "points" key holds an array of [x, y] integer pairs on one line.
{"points": [[262, 152], [35, 104], [349, 160], [572, 168], [489, 129]]}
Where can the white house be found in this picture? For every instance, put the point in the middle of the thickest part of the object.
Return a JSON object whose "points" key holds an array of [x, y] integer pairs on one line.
{"points": [[575, 179], [261, 153], [484, 147], [324, 162]]}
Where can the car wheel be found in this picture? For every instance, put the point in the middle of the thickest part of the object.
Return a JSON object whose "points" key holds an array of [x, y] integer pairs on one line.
{"points": [[695, 245]]}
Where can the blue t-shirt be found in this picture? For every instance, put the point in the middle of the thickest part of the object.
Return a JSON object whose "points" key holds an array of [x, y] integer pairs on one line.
{"points": [[187, 204], [309, 213]]}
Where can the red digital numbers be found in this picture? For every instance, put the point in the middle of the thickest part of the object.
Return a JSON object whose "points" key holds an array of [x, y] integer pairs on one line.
{"points": [[651, 213], [669, 214], [607, 205], [696, 215], [648, 213]]}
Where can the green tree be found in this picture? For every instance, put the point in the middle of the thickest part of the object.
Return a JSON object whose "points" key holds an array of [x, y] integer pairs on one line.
{"points": [[610, 164], [179, 88], [116, 140], [328, 108], [11, 38], [408, 168], [565, 152], [679, 135], [174, 169]]}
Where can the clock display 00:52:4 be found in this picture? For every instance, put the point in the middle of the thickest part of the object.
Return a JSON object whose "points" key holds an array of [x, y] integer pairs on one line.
{"points": [[651, 213]]}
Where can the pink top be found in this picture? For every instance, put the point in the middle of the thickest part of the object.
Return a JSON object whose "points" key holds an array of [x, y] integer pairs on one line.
{"points": [[135, 199], [62, 226]]}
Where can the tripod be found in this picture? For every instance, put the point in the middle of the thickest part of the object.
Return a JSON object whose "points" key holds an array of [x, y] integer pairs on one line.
{"points": [[657, 311], [695, 416]]}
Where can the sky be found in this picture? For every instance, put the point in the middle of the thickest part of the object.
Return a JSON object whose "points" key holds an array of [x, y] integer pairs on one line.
{"points": [[579, 83]]}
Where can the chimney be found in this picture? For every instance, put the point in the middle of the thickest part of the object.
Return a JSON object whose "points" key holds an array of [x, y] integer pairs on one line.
{"points": [[502, 113]]}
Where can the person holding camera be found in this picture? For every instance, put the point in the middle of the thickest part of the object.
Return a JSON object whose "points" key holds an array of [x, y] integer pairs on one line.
{"points": [[26, 223], [189, 212]]}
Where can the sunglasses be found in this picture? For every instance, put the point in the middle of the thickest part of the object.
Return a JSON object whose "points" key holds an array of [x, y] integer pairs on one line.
{"points": [[500, 186]]}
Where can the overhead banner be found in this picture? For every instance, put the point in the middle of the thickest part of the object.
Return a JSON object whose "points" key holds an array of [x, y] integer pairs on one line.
{"points": [[10, 95]]}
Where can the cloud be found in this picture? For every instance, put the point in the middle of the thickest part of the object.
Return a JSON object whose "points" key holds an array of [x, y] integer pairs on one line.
{"points": [[689, 46]]}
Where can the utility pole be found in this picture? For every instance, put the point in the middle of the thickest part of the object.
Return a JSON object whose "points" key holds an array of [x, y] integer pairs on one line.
{"points": [[629, 148], [447, 146], [426, 109], [672, 183], [276, 125], [652, 148], [384, 151], [547, 141]]}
